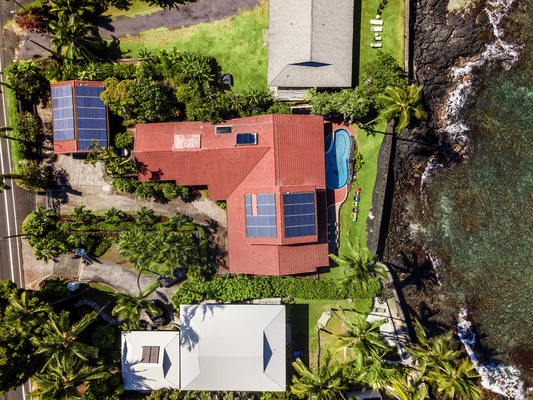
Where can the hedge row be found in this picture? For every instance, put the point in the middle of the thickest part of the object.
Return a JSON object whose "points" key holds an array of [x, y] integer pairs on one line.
{"points": [[232, 288]]}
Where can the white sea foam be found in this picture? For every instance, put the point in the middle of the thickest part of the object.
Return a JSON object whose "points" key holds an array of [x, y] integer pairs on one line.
{"points": [[437, 264], [502, 379], [498, 51]]}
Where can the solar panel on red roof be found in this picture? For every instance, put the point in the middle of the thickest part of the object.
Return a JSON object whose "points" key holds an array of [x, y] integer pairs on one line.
{"points": [[246, 138], [261, 222], [92, 117], [63, 113], [299, 214]]}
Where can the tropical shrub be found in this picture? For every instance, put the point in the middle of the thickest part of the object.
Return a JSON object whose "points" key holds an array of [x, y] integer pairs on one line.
{"points": [[31, 19], [123, 141], [26, 78], [125, 185]]}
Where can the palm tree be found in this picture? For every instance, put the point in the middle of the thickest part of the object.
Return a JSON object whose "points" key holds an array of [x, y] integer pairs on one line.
{"points": [[65, 377], [438, 366], [113, 215], [63, 8], [43, 216], [45, 252], [403, 104], [408, 389], [432, 353], [120, 165], [26, 311], [145, 216], [72, 38], [363, 337], [370, 372], [178, 220], [129, 307], [60, 336], [80, 214], [456, 381], [359, 264], [325, 383]]}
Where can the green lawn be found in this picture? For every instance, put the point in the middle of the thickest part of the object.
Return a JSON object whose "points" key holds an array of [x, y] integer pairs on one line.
{"points": [[393, 31], [304, 317], [138, 7], [236, 43]]}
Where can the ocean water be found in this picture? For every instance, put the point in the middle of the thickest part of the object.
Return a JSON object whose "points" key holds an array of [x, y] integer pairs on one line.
{"points": [[478, 215]]}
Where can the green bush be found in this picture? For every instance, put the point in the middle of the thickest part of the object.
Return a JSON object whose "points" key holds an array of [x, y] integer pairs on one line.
{"points": [[123, 141], [279, 108], [170, 190], [26, 78], [358, 161], [221, 204], [103, 245]]}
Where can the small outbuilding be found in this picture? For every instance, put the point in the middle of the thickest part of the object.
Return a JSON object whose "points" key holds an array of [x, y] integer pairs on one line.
{"points": [[150, 360]]}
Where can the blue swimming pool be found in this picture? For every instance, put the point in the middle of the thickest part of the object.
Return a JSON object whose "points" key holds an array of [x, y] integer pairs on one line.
{"points": [[338, 145]]}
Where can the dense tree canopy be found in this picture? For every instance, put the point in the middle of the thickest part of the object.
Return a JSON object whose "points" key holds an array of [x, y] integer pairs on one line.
{"points": [[361, 102], [139, 100]]}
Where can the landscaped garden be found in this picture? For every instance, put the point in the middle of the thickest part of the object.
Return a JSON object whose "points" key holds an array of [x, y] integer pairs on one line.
{"points": [[178, 78]]}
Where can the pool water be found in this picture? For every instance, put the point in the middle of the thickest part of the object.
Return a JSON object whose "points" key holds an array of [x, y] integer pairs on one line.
{"points": [[337, 145]]}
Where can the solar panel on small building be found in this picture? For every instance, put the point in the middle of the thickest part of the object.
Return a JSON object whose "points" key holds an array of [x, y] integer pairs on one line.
{"points": [[260, 215], [92, 118], [299, 214], [63, 113]]}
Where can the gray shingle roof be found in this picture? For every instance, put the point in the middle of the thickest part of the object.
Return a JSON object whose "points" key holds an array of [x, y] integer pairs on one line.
{"points": [[310, 43]]}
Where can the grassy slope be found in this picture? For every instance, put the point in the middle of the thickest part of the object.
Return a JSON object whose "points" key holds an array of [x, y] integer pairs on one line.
{"points": [[236, 43]]}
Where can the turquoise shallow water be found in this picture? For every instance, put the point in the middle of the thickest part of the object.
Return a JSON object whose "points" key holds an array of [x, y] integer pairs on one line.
{"points": [[479, 219]]}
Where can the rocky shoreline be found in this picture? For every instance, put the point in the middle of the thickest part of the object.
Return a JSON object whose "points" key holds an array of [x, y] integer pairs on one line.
{"points": [[442, 40]]}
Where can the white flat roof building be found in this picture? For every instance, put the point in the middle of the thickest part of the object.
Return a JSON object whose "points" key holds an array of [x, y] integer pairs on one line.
{"points": [[233, 347]]}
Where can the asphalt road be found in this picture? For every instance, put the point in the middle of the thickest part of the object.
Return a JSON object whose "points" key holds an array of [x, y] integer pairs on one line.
{"points": [[14, 205]]}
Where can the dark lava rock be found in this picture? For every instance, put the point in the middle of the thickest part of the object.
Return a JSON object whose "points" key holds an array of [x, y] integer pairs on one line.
{"points": [[441, 40]]}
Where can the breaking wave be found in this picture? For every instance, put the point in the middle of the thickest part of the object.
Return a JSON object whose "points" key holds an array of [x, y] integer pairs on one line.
{"points": [[502, 379]]}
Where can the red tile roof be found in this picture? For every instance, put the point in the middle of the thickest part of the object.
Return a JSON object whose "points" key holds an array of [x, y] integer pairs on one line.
{"points": [[288, 157], [65, 146]]}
